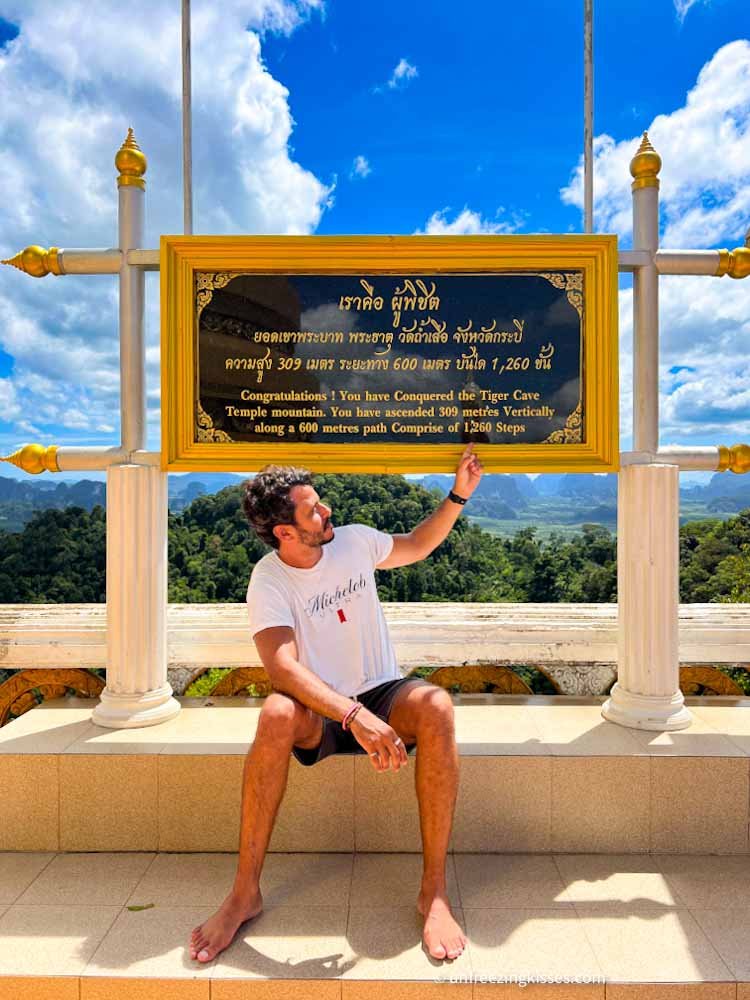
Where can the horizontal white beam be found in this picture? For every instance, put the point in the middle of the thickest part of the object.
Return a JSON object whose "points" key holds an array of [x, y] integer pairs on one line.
{"points": [[687, 261], [89, 261]]}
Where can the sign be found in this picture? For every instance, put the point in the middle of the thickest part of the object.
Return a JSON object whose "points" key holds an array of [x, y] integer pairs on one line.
{"points": [[388, 354]]}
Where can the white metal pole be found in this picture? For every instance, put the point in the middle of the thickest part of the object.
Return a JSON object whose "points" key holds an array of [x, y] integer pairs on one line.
{"points": [[137, 692], [588, 122], [187, 126], [131, 193]]}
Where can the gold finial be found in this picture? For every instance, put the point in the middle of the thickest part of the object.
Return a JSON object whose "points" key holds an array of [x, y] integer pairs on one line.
{"points": [[131, 163], [34, 458], [735, 263], [736, 458], [645, 165], [36, 261]]}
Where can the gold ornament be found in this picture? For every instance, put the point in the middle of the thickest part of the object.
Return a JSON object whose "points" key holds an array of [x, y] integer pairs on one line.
{"points": [[36, 261], [34, 458], [736, 458], [645, 165], [735, 263], [131, 163]]}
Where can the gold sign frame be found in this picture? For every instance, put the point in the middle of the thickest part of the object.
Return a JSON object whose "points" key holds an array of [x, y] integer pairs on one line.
{"points": [[183, 256]]}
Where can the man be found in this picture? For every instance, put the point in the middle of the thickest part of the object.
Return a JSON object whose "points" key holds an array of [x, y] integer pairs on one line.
{"points": [[321, 634]]}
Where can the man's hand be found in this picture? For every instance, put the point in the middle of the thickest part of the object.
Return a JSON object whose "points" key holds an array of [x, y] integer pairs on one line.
{"points": [[376, 736], [468, 473]]}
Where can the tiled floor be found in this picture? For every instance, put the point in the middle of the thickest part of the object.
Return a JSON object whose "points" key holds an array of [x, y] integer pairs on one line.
{"points": [[340, 919]]}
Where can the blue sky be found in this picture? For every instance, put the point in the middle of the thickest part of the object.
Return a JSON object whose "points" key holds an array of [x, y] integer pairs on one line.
{"points": [[351, 117]]}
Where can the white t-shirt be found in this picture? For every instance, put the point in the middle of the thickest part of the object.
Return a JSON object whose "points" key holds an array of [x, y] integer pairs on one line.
{"points": [[333, 608]]}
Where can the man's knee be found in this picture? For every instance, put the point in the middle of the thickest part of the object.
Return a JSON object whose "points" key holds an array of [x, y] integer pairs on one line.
{"points": [[435, 710], [281, 717]]}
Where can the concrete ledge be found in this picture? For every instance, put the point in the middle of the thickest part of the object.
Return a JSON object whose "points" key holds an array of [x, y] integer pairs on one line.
{"points": [[537, 775]]}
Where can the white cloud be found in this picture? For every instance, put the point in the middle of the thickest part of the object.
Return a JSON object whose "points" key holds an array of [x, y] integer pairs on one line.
{"points": [[466, 222], [704, 203], [361, 167], [403, 72], [78, 81], [683, 6], [705, 150]]}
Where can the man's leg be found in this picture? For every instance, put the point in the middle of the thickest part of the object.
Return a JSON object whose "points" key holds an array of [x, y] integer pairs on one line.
{"points": [[423, 713], [283, 722]]}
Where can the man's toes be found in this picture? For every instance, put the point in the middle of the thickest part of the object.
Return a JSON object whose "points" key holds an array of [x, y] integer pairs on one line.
{"points": [[205, 954]]}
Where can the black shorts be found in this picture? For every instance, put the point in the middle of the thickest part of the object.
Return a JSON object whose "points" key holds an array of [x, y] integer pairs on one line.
{"points": [[336, 739]]}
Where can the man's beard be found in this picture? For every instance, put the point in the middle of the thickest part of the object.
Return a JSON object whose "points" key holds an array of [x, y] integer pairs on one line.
{"points": [[313, 539]]}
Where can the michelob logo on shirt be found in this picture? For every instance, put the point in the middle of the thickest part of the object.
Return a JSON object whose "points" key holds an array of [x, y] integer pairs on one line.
{"points": [[327, 601]]}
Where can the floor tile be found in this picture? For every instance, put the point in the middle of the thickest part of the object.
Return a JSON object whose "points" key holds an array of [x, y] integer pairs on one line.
{"points": [[401, 989], [386, 809], [51, 940], [729, 933], [276, 989], [387, 943], [153, 988], [529, 942], [288, 942], [671, 991], [615, 878], [394, 880], [108, 802], [152, 942], [582, 732], [709, 881], [30, 808], [199, 802], [645, 944], [496, 729], [306, 879], [205, 879], [699, 740], [97, 879], [699, 805], [600, 804], [39, 987], [200, 879], [503, 804], [539, 991], [35, 732], [508, 880], [18, 869]]}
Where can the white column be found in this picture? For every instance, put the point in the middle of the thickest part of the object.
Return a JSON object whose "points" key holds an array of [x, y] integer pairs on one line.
{"points": [[646, 694], [137, 692]]}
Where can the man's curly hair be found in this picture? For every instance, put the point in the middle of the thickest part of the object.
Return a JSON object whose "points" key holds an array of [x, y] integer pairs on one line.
{"points": [[266, 498]]}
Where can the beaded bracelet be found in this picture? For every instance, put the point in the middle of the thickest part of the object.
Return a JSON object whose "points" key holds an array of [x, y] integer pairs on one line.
{"points": [[346, 721]]}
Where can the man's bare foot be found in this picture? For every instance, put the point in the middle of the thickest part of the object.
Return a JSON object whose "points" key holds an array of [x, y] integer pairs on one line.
{"points": [[212, 936], [442, 936]]}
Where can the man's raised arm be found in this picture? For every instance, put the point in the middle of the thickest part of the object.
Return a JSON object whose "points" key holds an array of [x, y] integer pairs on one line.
{"points": [[429, 533]]}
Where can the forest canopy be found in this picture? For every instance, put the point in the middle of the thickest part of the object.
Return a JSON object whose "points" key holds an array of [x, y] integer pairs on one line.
{"points": [[60, 557]]}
